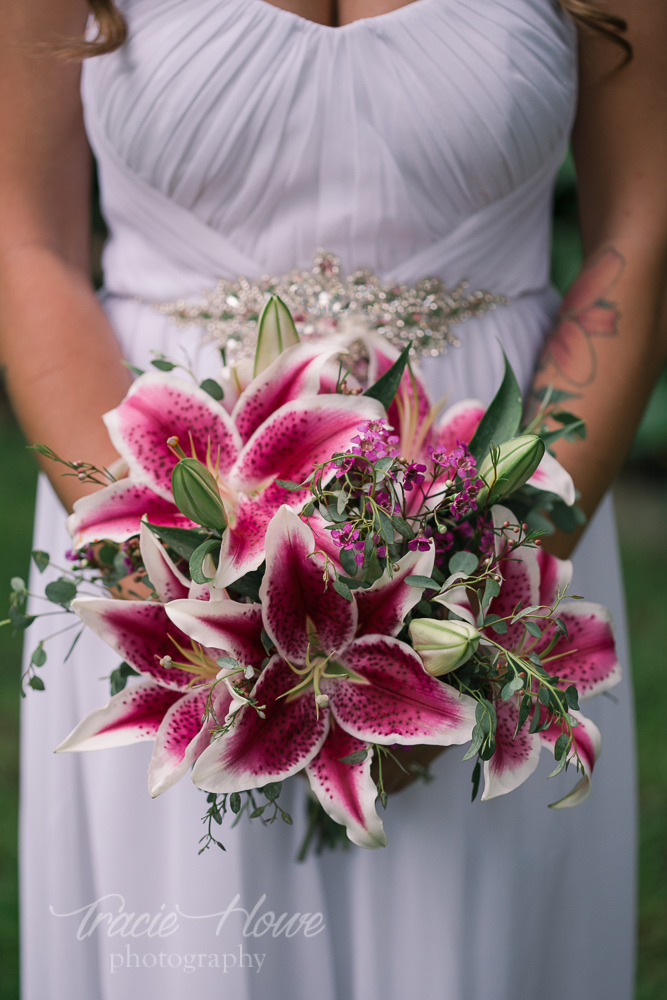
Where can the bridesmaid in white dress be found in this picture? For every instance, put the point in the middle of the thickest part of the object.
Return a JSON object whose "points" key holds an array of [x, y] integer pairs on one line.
{"points": [[235, 138]]}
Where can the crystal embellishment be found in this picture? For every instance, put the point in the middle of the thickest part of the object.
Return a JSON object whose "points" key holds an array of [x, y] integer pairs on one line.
{"points": [[323, 302]]}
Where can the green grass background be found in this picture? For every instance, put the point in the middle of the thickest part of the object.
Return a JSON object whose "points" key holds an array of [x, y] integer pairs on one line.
{"points": [[642, 508]]}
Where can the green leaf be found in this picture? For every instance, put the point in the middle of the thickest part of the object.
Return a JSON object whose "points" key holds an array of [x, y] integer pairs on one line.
{"points": [[347, 562], [524, 711], [163, 365], [562, 746], [491, 590], [38, 657], [41, 559], [196, 564], [463, 562], [477, 740], [272, 790], [60, 591], [257, 812], [559, 767], [36, 683], [354, 758], [227, 661], [503, 417], [287, 484], [19, 620], [183, 541], [133, 368], [387, 385], [213, 388], [235, 803], [533, 629], [476, 775], [18, 585], [342, 589], [572, 697], [248, 585], [287, 818], [426, 582], [118, 677], [535, 721], [498, 624], [403, 528], [561, 628]]}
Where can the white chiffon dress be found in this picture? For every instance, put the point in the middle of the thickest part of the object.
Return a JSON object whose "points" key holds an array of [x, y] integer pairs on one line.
{"points": [[234, 138]]}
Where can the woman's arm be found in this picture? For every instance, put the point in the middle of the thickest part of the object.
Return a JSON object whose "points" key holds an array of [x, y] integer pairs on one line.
{"points": [[61, 361], [610, 342]]}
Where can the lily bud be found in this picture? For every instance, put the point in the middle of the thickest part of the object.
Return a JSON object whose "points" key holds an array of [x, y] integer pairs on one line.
{"points": [[443, 646], [275, 333], [196, 494], [517, 461]]}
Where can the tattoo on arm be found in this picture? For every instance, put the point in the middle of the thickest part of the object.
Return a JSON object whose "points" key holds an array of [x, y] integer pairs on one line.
{"points": [[587, 312]]}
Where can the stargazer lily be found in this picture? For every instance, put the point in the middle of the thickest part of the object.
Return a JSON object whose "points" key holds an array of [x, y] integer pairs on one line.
{"points": [[421, 426], [280, 428], [585, 658], [338, 681], [178, 676]]}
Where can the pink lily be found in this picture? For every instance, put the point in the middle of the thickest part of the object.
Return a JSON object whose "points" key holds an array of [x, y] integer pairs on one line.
{"points": [[178, 676], [420, 426], [279, 429], [585, 658], [338, 681]]}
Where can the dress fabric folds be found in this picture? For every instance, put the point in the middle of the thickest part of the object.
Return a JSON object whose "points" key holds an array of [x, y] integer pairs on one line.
{"points": [[234, 138]]}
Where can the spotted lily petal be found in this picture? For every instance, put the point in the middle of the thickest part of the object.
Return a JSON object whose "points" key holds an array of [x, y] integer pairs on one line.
{"points": [[115, 512], [383, 607], [555, 576], [515, 758], [159, 406], [346, 791], [140, 632], [183, 736], [587, 658], [131, 716], [288, 445], [297, 595], [226, 625], [293, 375], [391, 698], [259, 750]]}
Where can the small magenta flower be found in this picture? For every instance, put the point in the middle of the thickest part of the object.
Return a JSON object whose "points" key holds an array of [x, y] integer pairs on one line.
{"points": [[419, 544]]}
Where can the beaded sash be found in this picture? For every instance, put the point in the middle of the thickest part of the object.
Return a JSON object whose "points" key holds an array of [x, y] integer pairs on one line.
{"points": [[323, 302]]}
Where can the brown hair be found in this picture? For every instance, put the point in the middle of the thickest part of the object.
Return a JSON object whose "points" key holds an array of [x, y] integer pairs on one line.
{"points": [[112, 30]]}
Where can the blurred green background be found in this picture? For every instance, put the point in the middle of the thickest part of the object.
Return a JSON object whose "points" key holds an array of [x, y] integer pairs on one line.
{"points": [[641, 498]]}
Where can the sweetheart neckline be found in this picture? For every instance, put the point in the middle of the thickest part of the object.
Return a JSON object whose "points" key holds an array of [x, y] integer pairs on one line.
{"points": [[362, 22]]}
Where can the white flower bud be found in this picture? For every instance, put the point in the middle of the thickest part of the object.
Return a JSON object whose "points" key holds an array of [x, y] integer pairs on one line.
{"points": [[443, 645]]}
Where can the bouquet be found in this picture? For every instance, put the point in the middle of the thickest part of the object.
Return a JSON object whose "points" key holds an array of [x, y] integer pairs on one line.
{"points": [[305, 567]]}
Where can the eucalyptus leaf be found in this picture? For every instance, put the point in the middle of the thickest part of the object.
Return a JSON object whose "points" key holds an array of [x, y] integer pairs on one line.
{"points": [[213, 388], [41, 559], [463, 562]]}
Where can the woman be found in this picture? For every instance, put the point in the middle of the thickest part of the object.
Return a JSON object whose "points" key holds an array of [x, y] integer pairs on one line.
{"points": [[234, 137]]}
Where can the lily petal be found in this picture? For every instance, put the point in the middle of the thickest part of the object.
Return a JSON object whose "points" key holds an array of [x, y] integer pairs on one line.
{"points": [[228, 625], [167, 580], [132, 716], [458, 424], [587, 744], [346, 791], [551, 477], [297, 595], [587, 658], [183, 737], [515, 758], [294, 374], [555, 576], [159, 406], [115, 512], [140, 632], [259, 750], [393, 700], [383, 607]]}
